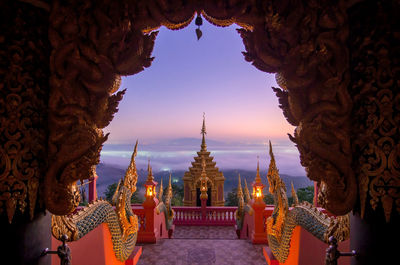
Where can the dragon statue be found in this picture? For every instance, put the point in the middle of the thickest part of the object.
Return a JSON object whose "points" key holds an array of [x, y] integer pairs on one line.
{"points": [[281, 223], [122, 223], [243, 207], [166, 207]]}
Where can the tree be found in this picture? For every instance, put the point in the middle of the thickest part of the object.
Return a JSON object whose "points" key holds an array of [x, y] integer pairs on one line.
{"points": [[109, 193], [269, 199], [306, 194], [177, 194], [231, 199]]}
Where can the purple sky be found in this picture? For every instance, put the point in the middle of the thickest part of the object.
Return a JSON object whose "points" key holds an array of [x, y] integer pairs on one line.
{"points": [[189, 77]]}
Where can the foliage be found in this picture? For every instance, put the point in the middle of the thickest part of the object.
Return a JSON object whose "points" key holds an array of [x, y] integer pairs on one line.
{"points": [[269, 199], [83, 201], [306, 194], [111, 190], [177, 194], [303, 194], [231, 198]]}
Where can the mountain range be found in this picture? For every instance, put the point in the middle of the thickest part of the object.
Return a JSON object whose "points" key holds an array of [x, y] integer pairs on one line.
{"points": [[109, 174]]}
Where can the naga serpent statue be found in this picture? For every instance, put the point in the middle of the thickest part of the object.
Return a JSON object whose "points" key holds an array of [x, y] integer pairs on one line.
{"points": [[121, 222], [281, 223], [166, 207], [243, 207]]}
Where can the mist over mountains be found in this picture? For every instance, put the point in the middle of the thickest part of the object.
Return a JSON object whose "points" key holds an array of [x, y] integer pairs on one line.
{"points": [[177, 154], [109, 174]]}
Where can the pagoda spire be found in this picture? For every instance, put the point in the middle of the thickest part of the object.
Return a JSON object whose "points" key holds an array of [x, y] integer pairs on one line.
{"points": [[258, 178], [169, 190], [150, 174], [246, 192], [203, 132]]}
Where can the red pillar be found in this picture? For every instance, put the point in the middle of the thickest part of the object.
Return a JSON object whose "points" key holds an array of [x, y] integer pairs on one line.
{"points": [[92, 188], [149, 235], [259, 236]]}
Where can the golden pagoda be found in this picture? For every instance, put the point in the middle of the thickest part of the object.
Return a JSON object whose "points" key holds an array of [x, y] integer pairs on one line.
{"points": [[203, 163]]}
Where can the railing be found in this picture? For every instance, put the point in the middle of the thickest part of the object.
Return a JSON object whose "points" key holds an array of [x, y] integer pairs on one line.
{"points": [[219, 216]]}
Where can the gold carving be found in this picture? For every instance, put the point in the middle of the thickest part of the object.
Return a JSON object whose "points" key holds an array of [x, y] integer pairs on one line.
{"points": [[376, 118], [90, 51], [312, 62], [23, 105], [276, 187]]}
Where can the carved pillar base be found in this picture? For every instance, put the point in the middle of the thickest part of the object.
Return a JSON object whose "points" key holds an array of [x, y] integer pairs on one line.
{"points": [[374, 240], [22, 243]]}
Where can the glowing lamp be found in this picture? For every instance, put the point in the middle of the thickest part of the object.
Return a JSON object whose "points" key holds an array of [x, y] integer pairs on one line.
{"points": [[257, 192], [258, 187], [150, 188]]}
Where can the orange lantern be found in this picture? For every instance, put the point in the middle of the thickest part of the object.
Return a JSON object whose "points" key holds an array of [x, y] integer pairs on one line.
{"points": [[150, 184], [258, 186]]}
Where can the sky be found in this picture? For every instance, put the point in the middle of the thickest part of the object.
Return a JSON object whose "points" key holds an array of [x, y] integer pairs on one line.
{"points": [[165, 103]]}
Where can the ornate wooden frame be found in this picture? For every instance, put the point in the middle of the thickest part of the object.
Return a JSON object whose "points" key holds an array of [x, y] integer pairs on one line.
{"points": [[304, 42]]}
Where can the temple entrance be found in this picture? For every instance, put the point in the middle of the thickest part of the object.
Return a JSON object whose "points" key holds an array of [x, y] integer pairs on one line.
{"points": [[198, 201]]}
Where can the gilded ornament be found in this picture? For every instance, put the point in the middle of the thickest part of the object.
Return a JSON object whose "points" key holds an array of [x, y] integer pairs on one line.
{"points": [[281, 223], [122, 223]]}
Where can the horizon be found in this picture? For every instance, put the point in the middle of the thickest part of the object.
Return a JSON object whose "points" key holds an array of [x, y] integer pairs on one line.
{"points": [[165, 156]]}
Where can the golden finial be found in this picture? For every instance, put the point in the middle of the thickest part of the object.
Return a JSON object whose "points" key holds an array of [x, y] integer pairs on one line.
{"points": [[169, 190], [131, 175], [294, 195], [258, 177], [272, 169], [270, 151], [273, 172], [239, 188], [246, 192], [150, 176], [203, 132], [160, 192]]}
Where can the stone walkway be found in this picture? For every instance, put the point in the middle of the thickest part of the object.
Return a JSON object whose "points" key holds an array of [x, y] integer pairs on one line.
{"points": [[202, 245]]}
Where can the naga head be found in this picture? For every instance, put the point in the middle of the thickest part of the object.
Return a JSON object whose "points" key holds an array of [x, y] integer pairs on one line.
{"points": [[131, 175], [274, 180]]}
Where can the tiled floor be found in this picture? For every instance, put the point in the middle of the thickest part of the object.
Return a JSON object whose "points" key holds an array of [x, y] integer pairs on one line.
{"points": [[205, 232], [202, 250]]}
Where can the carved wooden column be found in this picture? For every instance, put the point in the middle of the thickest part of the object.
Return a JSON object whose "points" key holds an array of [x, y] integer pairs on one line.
{"points": [[24, 88], [374, 42]]}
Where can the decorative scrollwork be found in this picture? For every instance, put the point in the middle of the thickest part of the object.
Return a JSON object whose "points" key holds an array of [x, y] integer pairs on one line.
{"points": [[23, 106], [376, 111], [90, 51], [306, 44]]}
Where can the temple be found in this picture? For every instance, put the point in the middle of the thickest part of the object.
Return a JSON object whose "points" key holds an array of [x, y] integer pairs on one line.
{"points": [[192, 177]]}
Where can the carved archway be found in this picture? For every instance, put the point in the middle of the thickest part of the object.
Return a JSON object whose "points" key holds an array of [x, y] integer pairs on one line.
{"points": [[303, 41]]}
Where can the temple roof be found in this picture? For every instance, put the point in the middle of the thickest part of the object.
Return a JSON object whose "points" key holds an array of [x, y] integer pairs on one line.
{"points": [[195, 170]]}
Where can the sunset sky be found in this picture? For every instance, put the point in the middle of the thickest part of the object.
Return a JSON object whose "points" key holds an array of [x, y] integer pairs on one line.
{"points": [[189, 77]]}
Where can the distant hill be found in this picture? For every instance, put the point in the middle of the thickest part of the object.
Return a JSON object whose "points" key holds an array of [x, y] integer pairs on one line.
{"points": [[109, 174]]}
